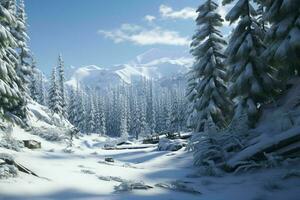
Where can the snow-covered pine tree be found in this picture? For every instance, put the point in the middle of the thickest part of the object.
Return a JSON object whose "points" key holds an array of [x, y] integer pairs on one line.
{"points": [[96, 100], [160, 120], [283, 38], [61, 80], [42, 90], [144, 129], [167, 114], [72, 109], [102, 118], [123, 122], [175, 115], [191, 95], [251, 80], [91, 115], [24, 68], [33, 85], [150, 107], [210, 98], [54, 96], [10, 96], [80, 111]]}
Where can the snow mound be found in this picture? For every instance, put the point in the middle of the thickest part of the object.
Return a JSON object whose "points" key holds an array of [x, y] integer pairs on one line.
{"points": [[132, 185], [170, 145], [41, 116], [7, 170]]}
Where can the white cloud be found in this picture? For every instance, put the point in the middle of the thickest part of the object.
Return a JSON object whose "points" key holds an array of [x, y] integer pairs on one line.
{"points": [[149, 18], [185, 13], [143, 36]]}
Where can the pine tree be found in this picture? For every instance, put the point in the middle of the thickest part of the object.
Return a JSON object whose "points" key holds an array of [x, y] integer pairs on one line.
{"points": [[54, 96], [24, 68], [210, 98], [61, 81], [123, 123], [33, 86], [283, 38], [251, 81], [100, 118], [91, 116], [102, 128], [191, 95], [175, 115], [80, 111], [136, 118], [72, 109], [42, 90], [11, 99], [144, 129], [150, 107]]}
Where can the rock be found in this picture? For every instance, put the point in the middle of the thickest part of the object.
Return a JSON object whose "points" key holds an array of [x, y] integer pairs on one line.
{"points": [[111, 178], [32, 144], [179, 186], [125, 143], [151, 140], [87, 171], [109, 159], [132, 185], [173, 135], [104, 178]]}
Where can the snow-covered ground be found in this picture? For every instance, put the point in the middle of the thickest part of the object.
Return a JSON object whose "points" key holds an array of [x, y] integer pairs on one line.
{"points": [[84, 174]]}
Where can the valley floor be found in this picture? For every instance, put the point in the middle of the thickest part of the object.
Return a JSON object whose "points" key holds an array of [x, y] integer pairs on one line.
{"points": [[81, 174]]}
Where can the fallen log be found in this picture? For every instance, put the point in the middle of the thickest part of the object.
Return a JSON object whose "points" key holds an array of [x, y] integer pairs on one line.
{"points": [[283, 143], [129, 147], [7, 159]]}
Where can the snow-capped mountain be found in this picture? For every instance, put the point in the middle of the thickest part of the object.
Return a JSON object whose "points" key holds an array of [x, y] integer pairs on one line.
{"points": [[149, 65]]}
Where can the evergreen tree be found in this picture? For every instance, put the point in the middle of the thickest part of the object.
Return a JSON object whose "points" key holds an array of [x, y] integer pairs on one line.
{"points": [[91, 116], [283, 38], [61, 81], [33, 86], [123, 123], [72, 109], [144, 129], [54, 96], [175, 116], [11, 99], [80, 111], [101, 124], [191, 94], [136, 119], [42, 90], [251, 78], [24, 68], [150, 107], [210, 98]]}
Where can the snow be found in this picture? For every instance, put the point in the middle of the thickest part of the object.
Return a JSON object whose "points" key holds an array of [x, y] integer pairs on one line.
{"points": [[83, 174]]}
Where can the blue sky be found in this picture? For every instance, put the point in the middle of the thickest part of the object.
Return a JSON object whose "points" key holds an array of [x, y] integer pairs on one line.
{"points": [[106, 32]]}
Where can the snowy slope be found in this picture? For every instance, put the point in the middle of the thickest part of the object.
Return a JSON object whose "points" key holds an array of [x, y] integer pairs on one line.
{"points": [[150, 65]]}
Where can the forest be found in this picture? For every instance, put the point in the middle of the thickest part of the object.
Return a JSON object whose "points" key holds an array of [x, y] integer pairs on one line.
{"points": [[222, 124]]}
